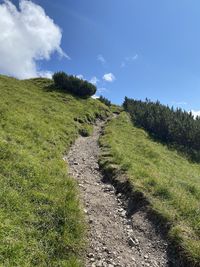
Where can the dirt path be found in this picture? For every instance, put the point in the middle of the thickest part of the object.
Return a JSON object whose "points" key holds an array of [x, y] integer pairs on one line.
{"points": [[114, 239]]}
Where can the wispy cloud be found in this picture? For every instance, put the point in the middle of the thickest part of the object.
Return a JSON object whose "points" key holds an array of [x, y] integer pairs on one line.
{"points": [[123, 64], [101, 59], [102, 90], [76, 15], [109, 77], [179, 103], [132, 58], [129, 60], [94, 80]]}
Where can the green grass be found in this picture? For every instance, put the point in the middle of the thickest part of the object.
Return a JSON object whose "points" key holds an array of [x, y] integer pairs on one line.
{"points": [[41, 222], [169, 181]]}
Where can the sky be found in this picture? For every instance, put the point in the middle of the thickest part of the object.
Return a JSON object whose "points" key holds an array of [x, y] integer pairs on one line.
{"points": [[135, 48]]}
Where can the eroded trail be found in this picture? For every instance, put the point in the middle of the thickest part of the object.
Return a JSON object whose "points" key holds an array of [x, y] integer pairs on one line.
{"points": [[114, 239]]}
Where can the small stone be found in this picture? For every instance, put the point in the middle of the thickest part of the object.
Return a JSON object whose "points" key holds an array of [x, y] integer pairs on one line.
{"points": [[123, 213], [132, 242], [119, 201], [90, 221], [86, 212]]}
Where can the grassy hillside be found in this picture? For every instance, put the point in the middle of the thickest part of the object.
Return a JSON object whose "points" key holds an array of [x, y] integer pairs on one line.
{"points": [[170, 182], [41, 223]]}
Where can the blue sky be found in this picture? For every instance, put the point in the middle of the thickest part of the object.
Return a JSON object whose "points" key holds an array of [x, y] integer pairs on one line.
{"points": [[151, 47]]}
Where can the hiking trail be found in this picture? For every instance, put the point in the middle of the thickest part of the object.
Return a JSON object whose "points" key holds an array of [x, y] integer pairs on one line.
{"points": [[114, 239]]}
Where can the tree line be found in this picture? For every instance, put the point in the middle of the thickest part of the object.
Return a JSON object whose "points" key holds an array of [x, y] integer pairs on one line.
{"points": [[174, 127], [105, 100]]}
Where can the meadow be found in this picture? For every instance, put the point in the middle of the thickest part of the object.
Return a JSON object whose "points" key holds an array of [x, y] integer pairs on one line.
{"points": [[41, 219]]}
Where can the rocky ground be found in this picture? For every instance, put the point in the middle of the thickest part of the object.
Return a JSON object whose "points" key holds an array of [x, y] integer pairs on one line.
{"points": [[114, 238]]}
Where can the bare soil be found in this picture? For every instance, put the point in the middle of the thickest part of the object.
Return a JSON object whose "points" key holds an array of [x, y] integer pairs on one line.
{"points": [[114, 237]]}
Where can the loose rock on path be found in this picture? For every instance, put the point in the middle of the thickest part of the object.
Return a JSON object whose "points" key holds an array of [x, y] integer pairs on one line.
{"points": [[113, 238]]}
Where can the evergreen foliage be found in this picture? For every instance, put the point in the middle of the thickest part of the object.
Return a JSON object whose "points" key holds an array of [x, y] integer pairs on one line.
{"points": [[105, 101], [172, 126], [73, 85]]}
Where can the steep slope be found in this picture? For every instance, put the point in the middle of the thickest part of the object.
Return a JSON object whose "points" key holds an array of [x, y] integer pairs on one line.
{"points": [[169, 183], [40, 218]]}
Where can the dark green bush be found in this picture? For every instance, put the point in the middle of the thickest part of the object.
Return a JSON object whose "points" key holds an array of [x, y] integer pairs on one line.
{"points": [[60, 79], [73, 85]]}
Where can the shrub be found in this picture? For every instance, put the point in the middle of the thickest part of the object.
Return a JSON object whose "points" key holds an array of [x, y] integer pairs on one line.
{"points": [[60, 79], [105, 101], [73, 85]]}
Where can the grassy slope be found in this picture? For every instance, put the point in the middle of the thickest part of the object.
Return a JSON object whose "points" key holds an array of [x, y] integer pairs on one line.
{"points": [[170, 182], [40, 220]]}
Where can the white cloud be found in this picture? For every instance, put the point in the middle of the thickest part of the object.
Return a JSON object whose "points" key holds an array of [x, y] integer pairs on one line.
{"points": [[80, 76], [195, 113], [27, 35], [94, 80], [45, 74], [109, 77], [101, 59], [95, 96]]}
